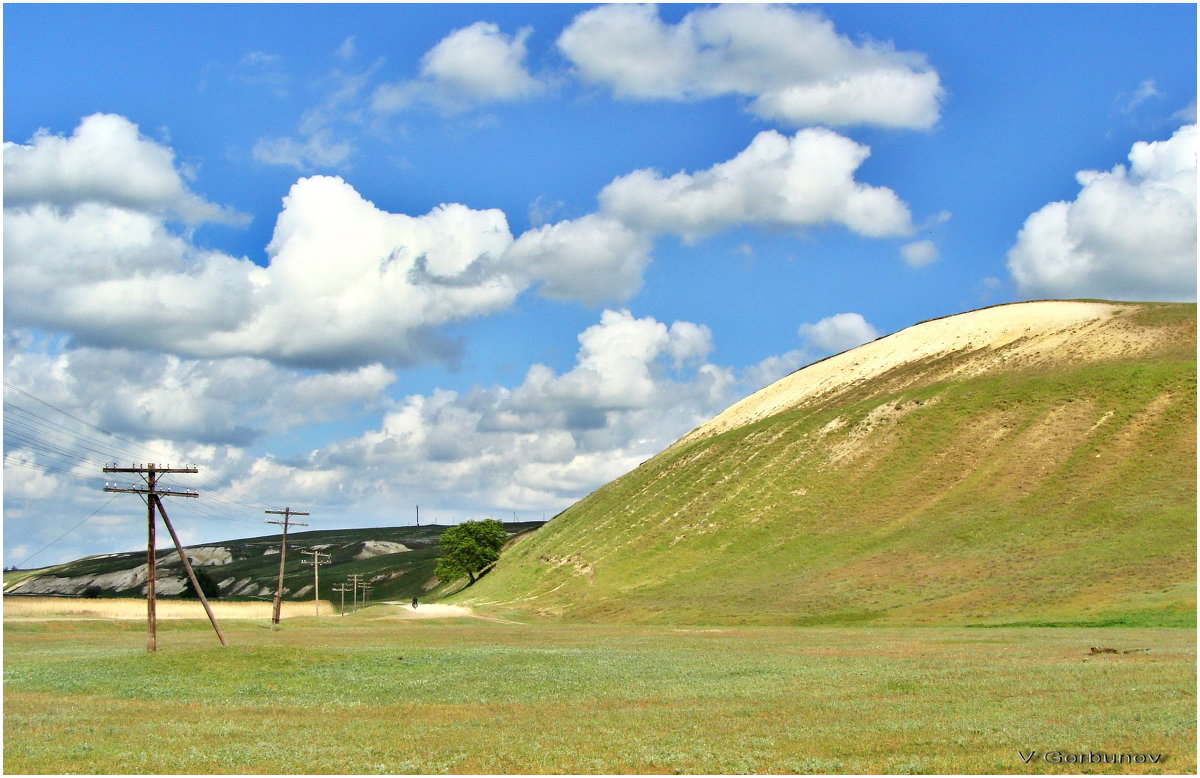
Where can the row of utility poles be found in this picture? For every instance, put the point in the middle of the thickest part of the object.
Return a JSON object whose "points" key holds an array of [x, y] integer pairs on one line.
{"points": [[353, 584], [152, 493]]}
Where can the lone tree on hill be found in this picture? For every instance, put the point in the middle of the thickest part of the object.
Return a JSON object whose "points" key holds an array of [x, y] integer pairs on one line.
{"points": [[207, 585], [469, 548]]}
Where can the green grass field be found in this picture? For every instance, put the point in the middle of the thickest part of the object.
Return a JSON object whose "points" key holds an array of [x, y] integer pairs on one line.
{"points": [[372, 694]]}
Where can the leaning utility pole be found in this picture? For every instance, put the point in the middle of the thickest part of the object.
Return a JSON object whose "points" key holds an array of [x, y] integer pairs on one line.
{"points": [[343, 588], [316, 561], [152, 495], [287, 514]]}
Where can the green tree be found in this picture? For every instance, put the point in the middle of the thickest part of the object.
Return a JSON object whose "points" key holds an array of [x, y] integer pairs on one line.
{"points": [[207, 585], [469, 548]]}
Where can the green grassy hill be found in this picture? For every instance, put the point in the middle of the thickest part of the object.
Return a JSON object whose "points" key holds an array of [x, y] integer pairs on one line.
{"points": [[248, 568], [1033, 463]]}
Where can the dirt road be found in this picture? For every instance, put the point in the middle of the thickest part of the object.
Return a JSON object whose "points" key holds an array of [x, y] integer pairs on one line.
{"points": [[404, 610]]}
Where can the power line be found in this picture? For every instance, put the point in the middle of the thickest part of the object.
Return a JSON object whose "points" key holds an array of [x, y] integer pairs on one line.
{"points": [[61, 448], [60, 428], [57, 440], [69, 415], [68, 532], [50, 470]]}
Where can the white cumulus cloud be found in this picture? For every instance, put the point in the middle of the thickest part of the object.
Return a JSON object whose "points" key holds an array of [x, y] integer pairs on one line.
{"points": [[777, 181], [481, 63], [1130, 234], [105, 161], [791, 64], [592, 259], [473, 65], [346, 285]]}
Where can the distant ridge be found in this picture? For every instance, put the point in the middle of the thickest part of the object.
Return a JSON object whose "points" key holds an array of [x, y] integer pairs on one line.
{"points": [[397, 561], [1025, 463]]}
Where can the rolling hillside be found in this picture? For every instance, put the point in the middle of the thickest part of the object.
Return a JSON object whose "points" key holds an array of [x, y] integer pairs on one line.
{"points": [[1032, 463], [397, 561]]}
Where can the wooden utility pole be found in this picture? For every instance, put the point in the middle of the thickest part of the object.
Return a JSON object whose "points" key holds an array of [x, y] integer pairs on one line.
{"points": [[287, 514], [152, 494], [343, 588], [354, 583], [316, 561], [366, 587]]}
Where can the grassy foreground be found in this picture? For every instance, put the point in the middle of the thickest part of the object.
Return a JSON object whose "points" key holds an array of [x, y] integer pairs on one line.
{"points": [[372, 694]]}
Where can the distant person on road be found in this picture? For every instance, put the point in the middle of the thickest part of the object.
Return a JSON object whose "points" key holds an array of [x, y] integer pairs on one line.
{"points": [[414, 603]]}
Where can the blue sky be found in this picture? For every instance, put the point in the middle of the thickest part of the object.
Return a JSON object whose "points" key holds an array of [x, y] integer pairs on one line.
{"points": [[484, 258]]}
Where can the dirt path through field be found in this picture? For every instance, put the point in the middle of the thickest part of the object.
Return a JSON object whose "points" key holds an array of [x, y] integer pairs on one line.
{"points": [[406, 611]]}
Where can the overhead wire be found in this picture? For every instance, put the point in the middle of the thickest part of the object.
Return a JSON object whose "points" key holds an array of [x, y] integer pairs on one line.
{"points": [[70, 415], [57, 448], [68, 532], [102, 447]]}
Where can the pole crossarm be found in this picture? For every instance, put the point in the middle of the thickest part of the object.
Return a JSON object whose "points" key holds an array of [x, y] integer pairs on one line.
{"points": [[289, 512], [146, 468], [158, 492]]}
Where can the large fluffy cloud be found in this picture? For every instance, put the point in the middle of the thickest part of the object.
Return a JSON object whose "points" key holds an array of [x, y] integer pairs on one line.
{"points": [[347, 284], [114, 276], [1130, 234], [807, 179], [791, 64]]}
